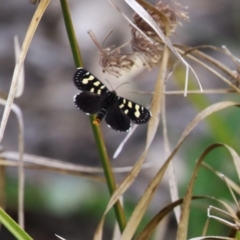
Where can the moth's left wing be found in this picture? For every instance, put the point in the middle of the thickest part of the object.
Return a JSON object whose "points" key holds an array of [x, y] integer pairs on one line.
{"points": [[88, 102], [137, 113], [85, 81]]}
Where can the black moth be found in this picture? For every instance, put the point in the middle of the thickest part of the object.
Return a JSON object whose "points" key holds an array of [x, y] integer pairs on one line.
{"points": [[97, 99]]}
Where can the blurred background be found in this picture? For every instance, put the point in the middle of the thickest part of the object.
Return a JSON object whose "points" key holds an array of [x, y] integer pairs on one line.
{"points": [[71, 206]]}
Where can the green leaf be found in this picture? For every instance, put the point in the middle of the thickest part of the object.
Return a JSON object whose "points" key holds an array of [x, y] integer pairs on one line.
{"points": [[13, 227]]}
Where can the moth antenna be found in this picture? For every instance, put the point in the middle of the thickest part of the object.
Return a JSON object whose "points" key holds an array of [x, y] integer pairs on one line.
{"points": [[117, 86], [121, 85], [109, 84]]}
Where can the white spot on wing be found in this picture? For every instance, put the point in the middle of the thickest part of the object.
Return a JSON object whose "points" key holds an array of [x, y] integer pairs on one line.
{"points": [[92, 90]]}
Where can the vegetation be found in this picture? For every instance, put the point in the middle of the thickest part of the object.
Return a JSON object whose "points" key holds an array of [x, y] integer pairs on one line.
{"points": [[216, 189]]}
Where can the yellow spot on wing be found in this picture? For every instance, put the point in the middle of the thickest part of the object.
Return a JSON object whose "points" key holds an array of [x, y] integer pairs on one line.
{"points": [[126, 111], [137, 113], [92, 90], [86, 80], [97, 83], [99, 91], [130, 104], [121, 106]]}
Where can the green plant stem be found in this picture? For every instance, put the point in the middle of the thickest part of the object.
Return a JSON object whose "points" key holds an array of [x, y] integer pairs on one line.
{"points": [[96, 130], [13, 227]]}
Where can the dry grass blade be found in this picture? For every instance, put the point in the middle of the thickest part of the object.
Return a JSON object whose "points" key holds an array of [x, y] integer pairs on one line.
{"points": [[230, 212], [231, 183], [116, 232], [99, 231], [179, 92], [60, 237], [173, 186], [26, 43], [183, 224], [21, 80], [61, 165], [228, 207], [231, 191], [156, 103], [122, 144], [159, 87], [142, 205], [205, 113], [182, 228], [10, 163], [21, 174], [236, 159], [205, 63], [151, 22], [212, 237], [206, 91], [222, 220], [21, 177], [119, 10], [157, 97], [208, 59], [50, 162], [2, 189], [151, 226], [152, 128]]}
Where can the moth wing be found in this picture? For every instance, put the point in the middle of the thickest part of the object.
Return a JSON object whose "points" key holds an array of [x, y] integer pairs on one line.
{"points": [[137, 113], [85, 81], [117, 120], [88, 102]]}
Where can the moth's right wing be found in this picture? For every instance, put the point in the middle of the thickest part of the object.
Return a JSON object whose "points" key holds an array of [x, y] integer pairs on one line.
{"points": [[85, 81], [117, 119]]}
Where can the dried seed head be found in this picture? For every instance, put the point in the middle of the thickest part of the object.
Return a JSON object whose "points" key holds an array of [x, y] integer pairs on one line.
{"points": [[152, 51], [111, 58], [172, 10]]}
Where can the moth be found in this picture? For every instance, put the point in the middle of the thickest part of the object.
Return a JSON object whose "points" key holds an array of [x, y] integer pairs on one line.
{"points": [[96, 98]]}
